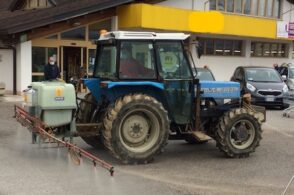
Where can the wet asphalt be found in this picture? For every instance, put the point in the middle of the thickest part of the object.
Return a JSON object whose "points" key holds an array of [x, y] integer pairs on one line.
{"points": [[27, 168]]}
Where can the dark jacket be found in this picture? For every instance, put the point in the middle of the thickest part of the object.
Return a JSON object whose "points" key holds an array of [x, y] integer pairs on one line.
{"points": [[51, 72]]}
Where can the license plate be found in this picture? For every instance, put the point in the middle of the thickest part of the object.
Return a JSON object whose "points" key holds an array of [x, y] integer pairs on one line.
{"points": [[270, 99]]}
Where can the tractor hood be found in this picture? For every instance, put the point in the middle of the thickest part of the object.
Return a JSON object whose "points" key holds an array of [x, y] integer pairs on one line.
{"points": [[220, 89]]}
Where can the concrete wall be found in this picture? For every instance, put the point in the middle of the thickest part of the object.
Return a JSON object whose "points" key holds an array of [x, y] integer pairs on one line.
{"points": [[224, 66], [6, 69], [24, 65]]}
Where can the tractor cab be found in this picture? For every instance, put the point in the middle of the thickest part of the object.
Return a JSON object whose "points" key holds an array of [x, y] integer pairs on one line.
{"points": [[139, 58]]}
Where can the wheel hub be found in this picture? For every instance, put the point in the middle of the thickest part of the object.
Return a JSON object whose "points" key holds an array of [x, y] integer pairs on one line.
{"points": [[241, 133], [135, 129]]}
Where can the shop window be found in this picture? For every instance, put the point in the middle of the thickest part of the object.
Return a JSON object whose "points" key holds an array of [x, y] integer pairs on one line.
{"points": [[265, 8], [219, 47], [266, 49], [221, 5], [238, 48], [276, 9], [40, 56], [32, 4], [269, 49], [228, 48], [254, 8], [74, 34], [222, 47], [261, 11], [269, 12], [209, 46], [212, 4], [238, 6], [274, 50], [247, 6], [95, 28], [230, 6], [37, 78]]}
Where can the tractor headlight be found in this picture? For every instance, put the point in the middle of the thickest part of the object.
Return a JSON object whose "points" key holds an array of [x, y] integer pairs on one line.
{"points": [[285, 89], [250, 87]]}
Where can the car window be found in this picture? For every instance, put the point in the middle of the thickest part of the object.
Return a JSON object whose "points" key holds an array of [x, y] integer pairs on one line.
{"points": [[291, 73], [262, 75], [204, 75], [238, 74]]}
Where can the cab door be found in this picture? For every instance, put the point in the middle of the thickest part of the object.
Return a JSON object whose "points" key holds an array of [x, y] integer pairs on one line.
{"points": [[175, 71]]}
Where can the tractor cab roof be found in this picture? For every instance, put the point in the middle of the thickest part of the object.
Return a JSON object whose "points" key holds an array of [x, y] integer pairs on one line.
{"points": [[142, 36]]}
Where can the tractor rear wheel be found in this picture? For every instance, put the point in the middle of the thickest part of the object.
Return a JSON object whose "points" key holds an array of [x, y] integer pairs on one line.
{"points": [[85, 116], [136, 128], [238, 133]]}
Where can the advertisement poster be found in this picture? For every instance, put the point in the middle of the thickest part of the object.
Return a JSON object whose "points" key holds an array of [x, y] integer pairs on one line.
{"points": [[285, 29]]}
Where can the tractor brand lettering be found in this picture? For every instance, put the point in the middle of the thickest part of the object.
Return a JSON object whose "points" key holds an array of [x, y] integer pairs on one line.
{"points": [[220, 90], [59, 98], [58, 91]]}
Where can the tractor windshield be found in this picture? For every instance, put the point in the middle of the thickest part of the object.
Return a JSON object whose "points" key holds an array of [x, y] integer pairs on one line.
{"points": [[106, 61]]}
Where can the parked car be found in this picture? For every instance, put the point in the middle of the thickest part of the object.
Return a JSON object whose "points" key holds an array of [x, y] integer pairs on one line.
{"points": [[204, 74], [286, 70], [2, 88], [264, 84]]}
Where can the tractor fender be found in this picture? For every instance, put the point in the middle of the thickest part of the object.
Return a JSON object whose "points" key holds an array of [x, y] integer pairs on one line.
{"points": [[137, 83]]}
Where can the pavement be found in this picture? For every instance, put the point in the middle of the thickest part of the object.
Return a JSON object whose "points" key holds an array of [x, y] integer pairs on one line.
{"points": [[182, 169]]}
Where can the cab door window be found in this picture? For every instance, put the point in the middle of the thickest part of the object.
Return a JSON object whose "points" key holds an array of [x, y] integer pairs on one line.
{"points": [[172, 62]]}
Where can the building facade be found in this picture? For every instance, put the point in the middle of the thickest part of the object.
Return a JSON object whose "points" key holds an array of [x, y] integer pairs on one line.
{"points": [[232, 33]]}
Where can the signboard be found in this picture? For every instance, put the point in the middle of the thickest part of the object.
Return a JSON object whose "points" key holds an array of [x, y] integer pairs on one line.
{"points": [[285, 29], [291, 30]]}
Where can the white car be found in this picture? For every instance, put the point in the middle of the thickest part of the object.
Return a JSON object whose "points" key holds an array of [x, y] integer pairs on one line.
{"points": [[2, 88]]}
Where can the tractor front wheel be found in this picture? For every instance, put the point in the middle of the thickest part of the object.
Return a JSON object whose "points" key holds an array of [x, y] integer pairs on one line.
{"points": [[238, 133], [136, 128]]}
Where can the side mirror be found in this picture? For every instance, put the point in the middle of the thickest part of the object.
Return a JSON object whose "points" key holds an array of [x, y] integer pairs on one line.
{"points": [[284, 77]]}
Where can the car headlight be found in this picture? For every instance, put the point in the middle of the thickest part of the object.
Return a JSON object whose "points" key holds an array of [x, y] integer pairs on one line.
{"points": [[285, 89], [250, 87]]}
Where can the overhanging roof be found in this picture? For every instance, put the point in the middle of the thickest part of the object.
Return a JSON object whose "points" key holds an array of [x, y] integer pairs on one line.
{"points": [[135, 16], [20, 21]]}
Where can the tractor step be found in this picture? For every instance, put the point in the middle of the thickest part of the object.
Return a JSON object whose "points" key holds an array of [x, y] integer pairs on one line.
{"points": [[200, 136]]}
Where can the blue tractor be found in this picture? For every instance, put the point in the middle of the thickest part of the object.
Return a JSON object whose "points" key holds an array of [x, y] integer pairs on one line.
{"points": [[143, 92]]}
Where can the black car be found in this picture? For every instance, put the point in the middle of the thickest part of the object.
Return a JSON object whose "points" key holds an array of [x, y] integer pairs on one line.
{"points": [[264, 84]]}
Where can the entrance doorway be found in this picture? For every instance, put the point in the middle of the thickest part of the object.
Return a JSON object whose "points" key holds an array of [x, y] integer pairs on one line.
{"points": [[72, 62]]}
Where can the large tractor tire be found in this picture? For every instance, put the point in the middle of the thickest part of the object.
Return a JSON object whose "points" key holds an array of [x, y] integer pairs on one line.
{"points": [[239, 132], [136, 129], [85, 116]]}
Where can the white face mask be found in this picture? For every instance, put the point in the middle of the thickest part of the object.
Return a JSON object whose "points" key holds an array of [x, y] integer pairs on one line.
{"points": [[52, 63]]}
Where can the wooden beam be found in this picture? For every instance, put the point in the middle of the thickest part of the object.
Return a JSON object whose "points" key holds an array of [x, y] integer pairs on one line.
{"points": [[65, 25]]}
